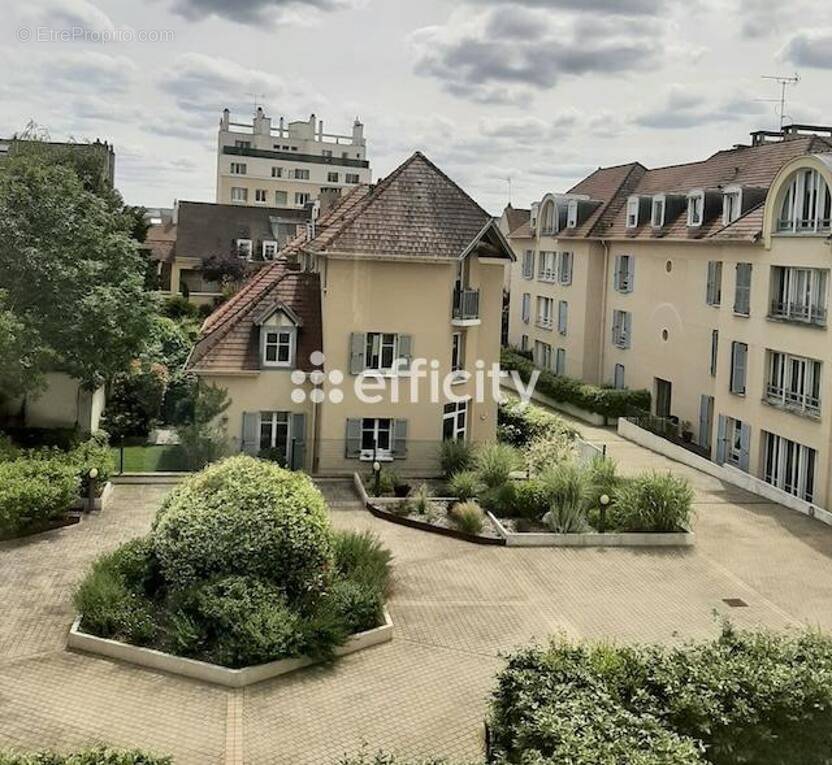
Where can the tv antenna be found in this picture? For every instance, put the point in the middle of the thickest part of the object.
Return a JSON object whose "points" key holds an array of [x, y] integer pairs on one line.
{"points": [[508, 181], [784, 82], [255, 97]]}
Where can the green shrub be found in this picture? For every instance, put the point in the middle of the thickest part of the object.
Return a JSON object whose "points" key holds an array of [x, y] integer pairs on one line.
{"points": [[500, 500], [609, 402], [494, 464], [97, 756], [387, 482], [246, 516], [467, 517], [384, 758], [531, 500], [35, 490], [177, 307], [358, 606], [455, 456], [518, 424], [8, 451], [360, 557], [653, 502], [93, 453], [464, 485], [566, 488], [547, 451], [602, 478]]}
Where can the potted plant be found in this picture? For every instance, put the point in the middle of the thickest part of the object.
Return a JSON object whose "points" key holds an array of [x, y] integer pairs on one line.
{"points": [[687, 433]]}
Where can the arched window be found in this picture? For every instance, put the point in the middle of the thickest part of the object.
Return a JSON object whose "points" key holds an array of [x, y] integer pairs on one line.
{"points": [[807, 204], [549, 219]]}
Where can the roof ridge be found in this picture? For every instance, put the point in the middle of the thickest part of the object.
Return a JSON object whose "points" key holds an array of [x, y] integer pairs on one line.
{"points": [[616, 194]]}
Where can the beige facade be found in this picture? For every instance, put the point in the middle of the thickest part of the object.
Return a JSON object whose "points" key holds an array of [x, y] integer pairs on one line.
{"points": [[738, 353], [286, 165], [63, 403]]}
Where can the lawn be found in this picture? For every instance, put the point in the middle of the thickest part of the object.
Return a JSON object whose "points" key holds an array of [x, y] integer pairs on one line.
{"points": [[149, 459]]}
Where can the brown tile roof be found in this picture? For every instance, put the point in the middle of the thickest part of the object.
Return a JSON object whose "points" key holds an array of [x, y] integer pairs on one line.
{"points": [[516, 217], [229, 340], [523, 231], [607, 185], [746, 166], [161, 241]]}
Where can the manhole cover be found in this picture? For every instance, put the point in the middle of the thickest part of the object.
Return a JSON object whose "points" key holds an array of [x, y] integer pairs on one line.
{"points": [[735, 602]]}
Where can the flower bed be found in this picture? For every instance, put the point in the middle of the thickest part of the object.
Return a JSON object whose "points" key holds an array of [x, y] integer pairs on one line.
{"points": [[241, 569], [438, 522]]}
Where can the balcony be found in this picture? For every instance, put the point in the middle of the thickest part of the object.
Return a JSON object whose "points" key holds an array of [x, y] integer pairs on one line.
{"points": [[800, 313], [797, 402], [466, 308]]}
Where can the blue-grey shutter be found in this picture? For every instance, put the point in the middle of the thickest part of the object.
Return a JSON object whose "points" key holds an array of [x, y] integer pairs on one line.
{"points": [[706, 403], [722, 428], [297, 457], [531, 264], [353, 439], [745, 446], [628, 325], [563, 309], [399, 439], [742, 294], [616, 274], [618, 376], [566, 277], [714, 351], [738, 368], [526, 307], [358, 342], [251, 433], [631, 273], [405, 351]]}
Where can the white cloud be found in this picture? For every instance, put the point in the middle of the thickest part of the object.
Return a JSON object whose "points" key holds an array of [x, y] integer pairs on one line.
{"points": [[811, 48]]}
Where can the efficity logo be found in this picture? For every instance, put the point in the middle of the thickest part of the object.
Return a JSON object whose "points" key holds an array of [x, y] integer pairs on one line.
{"points": [[416, 381]]}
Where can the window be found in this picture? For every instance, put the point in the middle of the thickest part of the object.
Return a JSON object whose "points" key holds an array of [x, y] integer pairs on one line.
{"points": [[739, 367], [526, 307], [269, 249], [332, 177], [238, 168], [277, 172], [624, 275], [381, 351], [243, 247], [457, 360], [524, 342], [351, 177], [560, 361], [731, 205], [280, 198], [794, 383], [572, 214], [260, 195], [545, 312], [736, 443], [278, 347], [696, 208], [789, 466], [376, 438], [798, 294], [242, 144], [326, 152], [549, 219], [274, 434], [547, 268], [238, 194], [455, 421], [528, 264], [621, 327], [301, 198], [563, 316], [632, 212], [618, 377], [565, 268], [714, 351], [807, 204], [713, 293], [542, 355], [742, 292], [300, 174], [657, 215]]}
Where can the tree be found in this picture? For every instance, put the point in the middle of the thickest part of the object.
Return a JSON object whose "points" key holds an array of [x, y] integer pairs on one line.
{"points": [[226, 268], [72, 276], [204, 439]]}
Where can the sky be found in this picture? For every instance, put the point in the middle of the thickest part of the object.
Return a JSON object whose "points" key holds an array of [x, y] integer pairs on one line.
{"points": [[540, 92]]}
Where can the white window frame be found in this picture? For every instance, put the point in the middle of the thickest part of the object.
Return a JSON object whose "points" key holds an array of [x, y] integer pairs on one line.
{"points": [[239, 194], [456, 412], [731, 204], [780, 454], [633, 209], [565, 261], [624, 275], [278, 338], [378, 344], [333, 177], [542, 355], [377, 427], [794, 383], [275, 421], [300, 174], [457, 352], [269, 249], [696, 208], [277, 172], [547, 267], [301, 198], [572, 214], [806, 206], [734, 442], [621, 328], [352, 178], [799, 294], [545, 312], [244, 248], [239, 168], [659, 204], [526, 307], [260, 196], [549, 219]]}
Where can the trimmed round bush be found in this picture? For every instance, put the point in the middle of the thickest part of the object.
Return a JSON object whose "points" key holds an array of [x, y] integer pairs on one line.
{"points": [[531, 500], [33, 490], [249, 517]]}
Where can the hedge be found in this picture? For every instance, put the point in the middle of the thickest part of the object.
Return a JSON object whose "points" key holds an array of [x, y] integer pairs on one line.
{"points": [[34, 491], [746, 697], [96, 756], [609, 402]]}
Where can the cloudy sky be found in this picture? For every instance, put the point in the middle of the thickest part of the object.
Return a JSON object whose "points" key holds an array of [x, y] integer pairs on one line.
{"points": [[539, 91]]}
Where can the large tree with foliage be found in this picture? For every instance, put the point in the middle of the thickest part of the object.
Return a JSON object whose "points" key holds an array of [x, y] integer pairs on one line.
{"points": [[72, 277]]}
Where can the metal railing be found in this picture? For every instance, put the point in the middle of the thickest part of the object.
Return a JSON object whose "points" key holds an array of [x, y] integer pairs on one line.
{"points": [[466, 304], [803, 403], [802, 312]]}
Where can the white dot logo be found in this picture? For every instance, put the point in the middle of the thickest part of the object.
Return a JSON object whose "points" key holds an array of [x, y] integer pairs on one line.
{"points": [[316, 378]]}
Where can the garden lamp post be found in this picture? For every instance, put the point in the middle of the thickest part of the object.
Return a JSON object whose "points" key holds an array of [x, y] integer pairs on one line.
{"points": [[377, 476], [93, 474], [604, 499]]}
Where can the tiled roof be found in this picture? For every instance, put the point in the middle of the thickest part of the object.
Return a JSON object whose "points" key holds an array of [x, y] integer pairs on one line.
{"points": [[230, 341], [516, 217], [746, 166], [607, 185]]}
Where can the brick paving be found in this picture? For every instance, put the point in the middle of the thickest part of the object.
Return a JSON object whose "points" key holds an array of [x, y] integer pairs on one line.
{"points": [[455, 606]]}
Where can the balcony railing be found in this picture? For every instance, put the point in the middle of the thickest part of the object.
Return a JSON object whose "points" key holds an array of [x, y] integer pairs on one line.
{"points": [[802, 312], [800, 403], [466, 304]]}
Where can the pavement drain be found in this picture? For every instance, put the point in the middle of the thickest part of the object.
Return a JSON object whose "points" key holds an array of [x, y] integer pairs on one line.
{"points": [[735, 602]]}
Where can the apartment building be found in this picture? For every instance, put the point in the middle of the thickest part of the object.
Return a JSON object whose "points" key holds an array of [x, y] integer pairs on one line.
{"points": [[397, 279], [286, 165], [706, 283]]}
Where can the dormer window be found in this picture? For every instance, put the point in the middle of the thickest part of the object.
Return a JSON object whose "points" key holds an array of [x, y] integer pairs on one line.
{"points": [[658, 210], [807, 204], [731, 205], [633, 205], [269, 249], [696, 208], [572, 214], [243, 248], [549, 222], [278, 347]]}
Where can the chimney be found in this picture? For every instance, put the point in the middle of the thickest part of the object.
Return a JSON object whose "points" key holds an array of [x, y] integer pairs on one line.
{"points": [[327, 199], [262, 123], [225, 119], [320, 130], [357, 133], [174, 218]]}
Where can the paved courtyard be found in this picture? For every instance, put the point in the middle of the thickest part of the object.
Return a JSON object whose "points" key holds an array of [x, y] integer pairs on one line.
{"points": [[456, 607]]}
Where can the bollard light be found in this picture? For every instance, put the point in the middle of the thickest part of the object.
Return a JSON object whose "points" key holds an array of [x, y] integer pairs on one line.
{"points": [[93, 474], [604, 499], [377, 474]]}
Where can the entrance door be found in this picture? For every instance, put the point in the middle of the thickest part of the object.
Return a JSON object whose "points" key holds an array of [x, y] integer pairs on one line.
{"points": [[663, 395]]}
